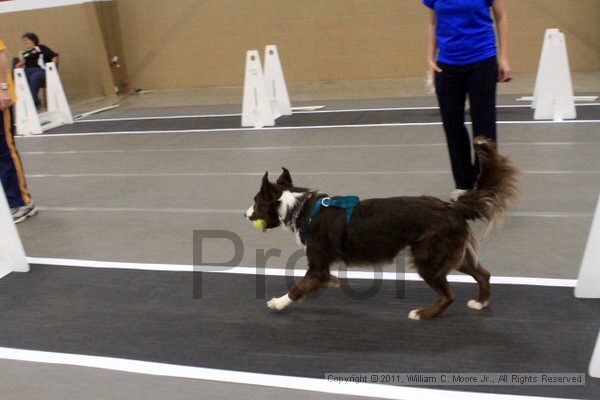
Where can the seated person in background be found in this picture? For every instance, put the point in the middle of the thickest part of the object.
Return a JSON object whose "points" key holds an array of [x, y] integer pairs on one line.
{"points": [[34, 59]]}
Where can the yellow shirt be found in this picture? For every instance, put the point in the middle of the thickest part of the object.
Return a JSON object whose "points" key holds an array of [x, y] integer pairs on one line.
{"points": [[9, 80]]}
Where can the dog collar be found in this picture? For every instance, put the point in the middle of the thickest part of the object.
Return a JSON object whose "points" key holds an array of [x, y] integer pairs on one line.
{"points": [[348, 203]]}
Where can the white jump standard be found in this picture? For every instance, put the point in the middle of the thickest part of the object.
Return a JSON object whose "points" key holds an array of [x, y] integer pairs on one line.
{"points": [[256, 110], [12, 254], [553, 96], [28, 121], [265, 94], [275, 83]]}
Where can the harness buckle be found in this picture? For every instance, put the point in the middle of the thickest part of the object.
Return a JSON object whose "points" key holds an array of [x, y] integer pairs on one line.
{"points": [[323, 201]]}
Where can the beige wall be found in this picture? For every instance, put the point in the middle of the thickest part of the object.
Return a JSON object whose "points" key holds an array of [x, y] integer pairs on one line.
{"points": [[186, 43], [107, 15], [191, 43], [578, 19], [65, 30]]}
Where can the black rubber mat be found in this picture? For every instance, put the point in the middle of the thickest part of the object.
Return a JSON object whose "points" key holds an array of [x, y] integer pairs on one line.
{"points": [[152, 316], [300, 119]]}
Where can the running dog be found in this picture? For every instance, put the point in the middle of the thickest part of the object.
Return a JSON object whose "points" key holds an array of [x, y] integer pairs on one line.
{"points": [[436, 232]]}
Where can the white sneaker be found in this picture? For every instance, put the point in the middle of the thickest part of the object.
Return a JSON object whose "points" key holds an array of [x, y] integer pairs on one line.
{"points": [[20, 214], [456, 193]]}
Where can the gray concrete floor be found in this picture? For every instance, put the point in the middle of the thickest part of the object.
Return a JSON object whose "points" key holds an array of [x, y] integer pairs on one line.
{"points": [[138, 198], [53, 382]]}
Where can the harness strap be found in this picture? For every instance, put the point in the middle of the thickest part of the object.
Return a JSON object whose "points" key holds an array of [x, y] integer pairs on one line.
{"points": [[348, 203]]}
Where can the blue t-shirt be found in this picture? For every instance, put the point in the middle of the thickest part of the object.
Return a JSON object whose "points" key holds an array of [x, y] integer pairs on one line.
{"points": [[464, 30]]}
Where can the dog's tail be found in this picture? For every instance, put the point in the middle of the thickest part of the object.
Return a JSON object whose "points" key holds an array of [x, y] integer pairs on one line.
{"points": [[496, 185]]}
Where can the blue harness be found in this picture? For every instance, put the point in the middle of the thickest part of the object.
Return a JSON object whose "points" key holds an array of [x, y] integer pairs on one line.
{"points": [[348, 203]]}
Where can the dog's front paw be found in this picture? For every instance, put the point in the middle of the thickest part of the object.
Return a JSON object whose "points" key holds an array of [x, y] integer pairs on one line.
{"points": [[279, 303], [415, 314], [475, 305]]}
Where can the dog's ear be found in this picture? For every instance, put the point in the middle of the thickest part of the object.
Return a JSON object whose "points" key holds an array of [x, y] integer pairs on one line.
{"points": [[285, 179], [266, 189]]}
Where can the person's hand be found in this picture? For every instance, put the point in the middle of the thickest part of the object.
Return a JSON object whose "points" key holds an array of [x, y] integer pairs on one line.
{"points": [[503, 71], [5, 99], [433, 68]]}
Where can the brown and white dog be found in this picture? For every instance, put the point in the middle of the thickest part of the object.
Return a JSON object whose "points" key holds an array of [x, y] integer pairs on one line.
{"points": [[435, 231]]}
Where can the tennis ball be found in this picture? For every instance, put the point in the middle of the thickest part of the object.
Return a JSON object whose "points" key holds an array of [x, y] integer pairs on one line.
{"points": [[259, 223]]}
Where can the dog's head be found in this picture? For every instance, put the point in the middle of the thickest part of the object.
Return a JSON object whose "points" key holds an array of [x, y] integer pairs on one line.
{"points": [[272, 201]]}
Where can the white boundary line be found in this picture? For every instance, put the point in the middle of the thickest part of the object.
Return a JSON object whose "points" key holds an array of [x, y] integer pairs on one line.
{"points": [[26, 5], [298, 112], [249, 378], [142, 209], [299, 147], [315, 173], [550, 214], [186, 116], [351, 274], [526, 214], [287, 128]]}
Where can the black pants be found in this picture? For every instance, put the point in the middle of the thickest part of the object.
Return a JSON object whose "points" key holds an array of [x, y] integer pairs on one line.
{"points": [[36, 77], [452, 85]]}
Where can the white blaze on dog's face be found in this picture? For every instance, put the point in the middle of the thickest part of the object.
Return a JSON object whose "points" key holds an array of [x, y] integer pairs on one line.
{"points": [[249, 212], [271, 200]]}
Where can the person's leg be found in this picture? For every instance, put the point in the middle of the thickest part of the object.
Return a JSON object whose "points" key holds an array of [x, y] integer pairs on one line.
{"points": [[36, 77], [11, 169], [451, 88], [481, 80], [29, 72]]}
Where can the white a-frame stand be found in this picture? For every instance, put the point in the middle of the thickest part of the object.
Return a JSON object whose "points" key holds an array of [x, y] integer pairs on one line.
{"points": [[266, 96], [275, 82], [12, 254], [256, 109], [553, 94], [28, 121], [594, 369], [588, 283]]}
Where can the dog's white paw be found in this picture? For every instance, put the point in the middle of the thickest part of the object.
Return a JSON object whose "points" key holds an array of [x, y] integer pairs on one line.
{"points": [[279, 303], [475, 305], [414, 314]]}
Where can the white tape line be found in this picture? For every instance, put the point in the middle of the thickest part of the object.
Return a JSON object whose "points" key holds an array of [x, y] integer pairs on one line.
{"points": [[25, 5], [195, 174], [316, 173], [295, 148], [529, 214], [142, 209], [352, 274]]}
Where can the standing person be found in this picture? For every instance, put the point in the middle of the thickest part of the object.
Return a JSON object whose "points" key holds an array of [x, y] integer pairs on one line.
{"points": [[34, 59], [461, 34], [11, 169]]}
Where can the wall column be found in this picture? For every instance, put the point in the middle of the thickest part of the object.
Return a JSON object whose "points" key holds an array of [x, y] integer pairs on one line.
{"points": [[99, 48]]}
